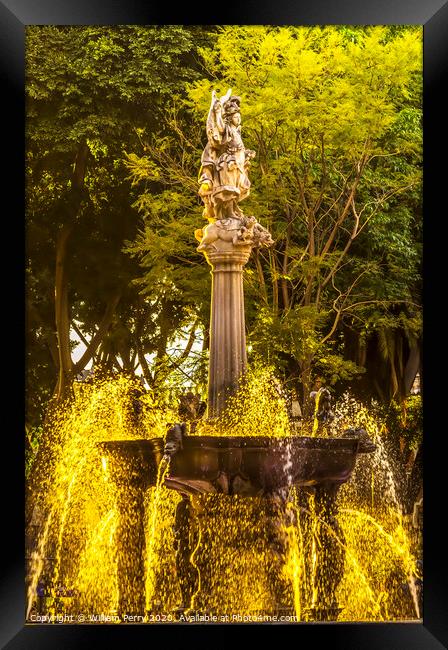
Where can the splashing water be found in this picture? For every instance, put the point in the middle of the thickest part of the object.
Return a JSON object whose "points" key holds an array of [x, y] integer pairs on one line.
{"points": [[76, 495], [252, 556], [375, 528], [257, 409], [316, 411], [160, 507]]}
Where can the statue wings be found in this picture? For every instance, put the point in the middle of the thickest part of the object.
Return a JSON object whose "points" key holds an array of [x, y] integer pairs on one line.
{"points": [[222, 99], [215, 125]]}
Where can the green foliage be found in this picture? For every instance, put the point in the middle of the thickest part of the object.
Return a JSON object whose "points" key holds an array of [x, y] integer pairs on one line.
{"points": [[292, 334], [405, 421], [33, 437], [335, 368], [103, 87], [334, 114]]}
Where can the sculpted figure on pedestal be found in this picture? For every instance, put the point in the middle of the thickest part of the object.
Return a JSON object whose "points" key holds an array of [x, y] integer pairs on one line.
{"points": [[224, 182], [223, 175]]}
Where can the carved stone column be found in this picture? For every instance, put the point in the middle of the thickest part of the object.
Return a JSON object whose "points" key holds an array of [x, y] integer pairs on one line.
{"points": [[227, 245], [226, 242], [227, 325]]}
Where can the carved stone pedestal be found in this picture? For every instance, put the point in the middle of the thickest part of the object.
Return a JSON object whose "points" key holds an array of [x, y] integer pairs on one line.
{"points": [[227, 328], [227, 245]]}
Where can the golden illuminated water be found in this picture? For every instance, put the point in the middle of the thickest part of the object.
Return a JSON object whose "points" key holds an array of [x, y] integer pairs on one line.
{"points": [[257, 409], [316, 411], [252, 558]]}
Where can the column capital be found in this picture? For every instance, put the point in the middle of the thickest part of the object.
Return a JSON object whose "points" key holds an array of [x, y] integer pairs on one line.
{"points": [[230, 241], [228, 260]]}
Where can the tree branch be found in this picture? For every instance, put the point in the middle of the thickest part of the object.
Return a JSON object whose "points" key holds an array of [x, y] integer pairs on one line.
{"points": [[191, 340], [274, 281], [359, 170], [260, 274], [284, 285], [144, 364], [99, 334], [80, 334]]}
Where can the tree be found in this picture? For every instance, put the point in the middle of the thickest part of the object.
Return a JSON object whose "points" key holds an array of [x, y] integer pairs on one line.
{"points": [[91, 93]]}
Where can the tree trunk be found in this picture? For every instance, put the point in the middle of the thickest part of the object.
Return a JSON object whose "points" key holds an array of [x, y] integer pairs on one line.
{"points": [[260, 274], [69, 209], [284, 282], [99, 335], [144, 365], [34, 318], [161, 360], [411, 369], [62, 316], [306, 300], [191, 340], [274, 274]]}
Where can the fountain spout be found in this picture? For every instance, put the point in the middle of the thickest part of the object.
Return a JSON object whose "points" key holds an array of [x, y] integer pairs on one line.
{"points": [[174, 440], [365, 444]]}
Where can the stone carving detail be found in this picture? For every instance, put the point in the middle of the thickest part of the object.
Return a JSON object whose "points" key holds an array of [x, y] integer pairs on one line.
{"points": [[245, 231], [224, 182]]}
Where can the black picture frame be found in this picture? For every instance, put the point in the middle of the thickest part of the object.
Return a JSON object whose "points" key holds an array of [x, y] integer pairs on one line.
{"points": [[432, 633]]}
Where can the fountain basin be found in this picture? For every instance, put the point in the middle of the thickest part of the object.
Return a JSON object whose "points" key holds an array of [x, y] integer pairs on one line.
{"points": [[133, 462], [245, 466]]}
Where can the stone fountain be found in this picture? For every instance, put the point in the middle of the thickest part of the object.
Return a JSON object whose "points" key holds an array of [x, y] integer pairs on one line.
{"points": [[208, 469]]}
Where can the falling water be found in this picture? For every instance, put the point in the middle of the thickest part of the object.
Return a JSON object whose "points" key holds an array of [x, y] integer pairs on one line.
{"points": [[315, 418], [259, 554], [76, 496], [390, 548], [156, 517]]}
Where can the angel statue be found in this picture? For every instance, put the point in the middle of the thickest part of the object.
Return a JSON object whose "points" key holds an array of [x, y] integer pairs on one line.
{"points": [[223, 175]]}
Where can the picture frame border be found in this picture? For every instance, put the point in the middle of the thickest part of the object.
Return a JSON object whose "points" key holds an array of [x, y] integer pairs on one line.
{"points": [[15, 15]]}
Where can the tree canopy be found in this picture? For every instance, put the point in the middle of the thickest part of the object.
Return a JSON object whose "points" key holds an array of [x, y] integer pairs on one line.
{"points": [[90, 92], [334, 114]]}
